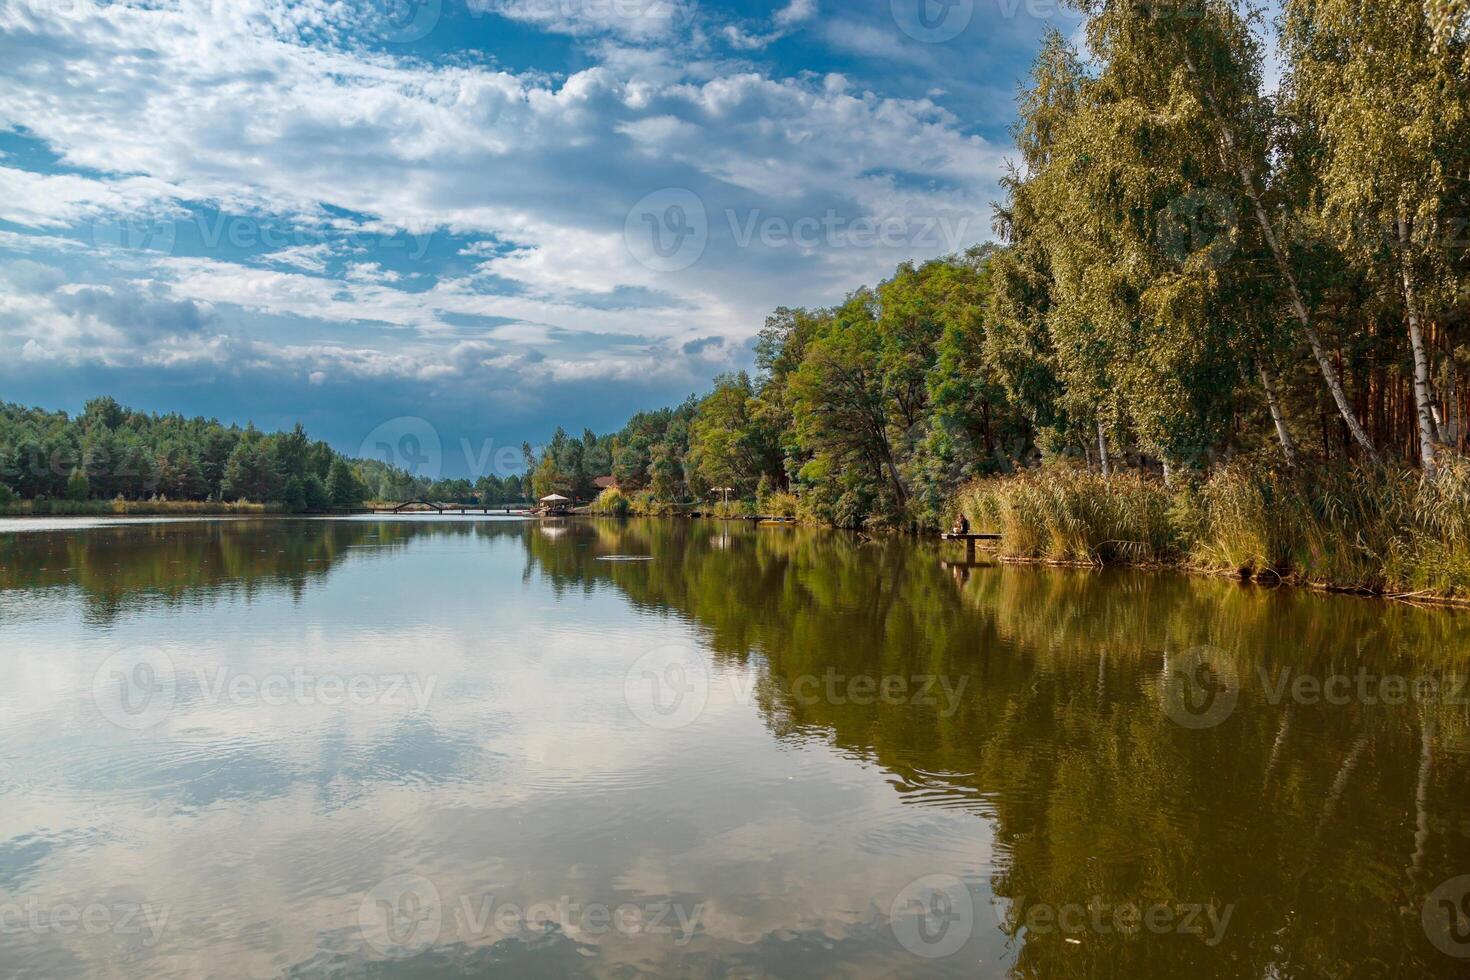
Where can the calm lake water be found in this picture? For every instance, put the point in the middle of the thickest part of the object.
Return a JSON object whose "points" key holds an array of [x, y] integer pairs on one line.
{"points": [[443, 747]]}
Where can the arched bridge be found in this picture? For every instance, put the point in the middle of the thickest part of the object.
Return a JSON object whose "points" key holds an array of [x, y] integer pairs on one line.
{"points": [[440, 507]]}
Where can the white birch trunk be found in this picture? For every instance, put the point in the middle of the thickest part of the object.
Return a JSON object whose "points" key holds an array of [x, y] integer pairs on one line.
{"points": [[1298, 303], [1421, 358], [1273, 399]]}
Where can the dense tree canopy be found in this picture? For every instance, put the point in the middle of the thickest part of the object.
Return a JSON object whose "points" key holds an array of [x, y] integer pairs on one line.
{"points": [[110, 452], [871, 412]]}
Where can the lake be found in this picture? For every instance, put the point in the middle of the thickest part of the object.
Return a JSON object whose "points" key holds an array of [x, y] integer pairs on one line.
{"points": [[436, 747]]}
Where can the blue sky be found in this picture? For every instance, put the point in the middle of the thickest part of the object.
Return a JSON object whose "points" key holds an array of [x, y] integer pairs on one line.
{"points": [[496, 215]]}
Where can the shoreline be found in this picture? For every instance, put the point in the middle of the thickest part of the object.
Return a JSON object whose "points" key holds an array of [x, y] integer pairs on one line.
{"points": [[1257, 580], [1268, 579]]}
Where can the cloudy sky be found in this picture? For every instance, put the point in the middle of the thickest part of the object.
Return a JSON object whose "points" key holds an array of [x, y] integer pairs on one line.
{"points": [[497, 215]]}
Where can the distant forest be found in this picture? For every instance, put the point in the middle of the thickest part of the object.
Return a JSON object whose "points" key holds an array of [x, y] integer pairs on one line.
{"points": [[109, 452]]}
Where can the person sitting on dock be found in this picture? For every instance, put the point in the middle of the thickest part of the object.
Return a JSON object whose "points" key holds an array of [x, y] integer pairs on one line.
{"points": [[961, 525]]}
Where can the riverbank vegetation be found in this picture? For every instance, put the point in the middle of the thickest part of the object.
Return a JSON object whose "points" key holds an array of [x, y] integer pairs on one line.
{"points": [[157, 506], [1224, 324], [1351, 526]]}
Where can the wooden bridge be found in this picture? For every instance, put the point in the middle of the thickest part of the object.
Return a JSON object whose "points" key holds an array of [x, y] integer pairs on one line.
{"points": [[409, 506]]}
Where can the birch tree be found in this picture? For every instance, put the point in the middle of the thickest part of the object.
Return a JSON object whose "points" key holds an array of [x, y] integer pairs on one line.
{"points": [[1375, 81], [1204, 51]]}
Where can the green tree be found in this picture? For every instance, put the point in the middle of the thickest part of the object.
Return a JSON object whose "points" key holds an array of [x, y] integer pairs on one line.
{"points": [[1388, 102], [840, 405], [730, 444], [314, 490], [343, 487], [78, 487]]}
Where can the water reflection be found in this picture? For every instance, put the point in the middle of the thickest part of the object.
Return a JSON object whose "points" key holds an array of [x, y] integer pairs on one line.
{"points": [[867, 718]]}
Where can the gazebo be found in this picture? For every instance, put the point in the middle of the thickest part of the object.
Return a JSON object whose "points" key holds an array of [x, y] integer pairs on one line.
{"points": [[555, 502]]}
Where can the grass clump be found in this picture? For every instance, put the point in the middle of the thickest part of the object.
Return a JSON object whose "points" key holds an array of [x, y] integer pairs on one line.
{"points": [[779, 503], [1346, 526], [1065, 513]]}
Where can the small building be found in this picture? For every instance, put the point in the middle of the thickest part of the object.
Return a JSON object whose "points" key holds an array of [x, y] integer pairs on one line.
{"points": [[606, 483]]}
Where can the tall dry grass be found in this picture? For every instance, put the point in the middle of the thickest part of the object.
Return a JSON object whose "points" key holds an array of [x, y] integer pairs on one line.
{"points": [[1065, 513], [1374, 529]]}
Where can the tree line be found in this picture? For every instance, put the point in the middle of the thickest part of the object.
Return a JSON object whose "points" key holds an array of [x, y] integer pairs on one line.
{"points": [[110, 452], [869, 412], [1190, 268], [1195, 265]]}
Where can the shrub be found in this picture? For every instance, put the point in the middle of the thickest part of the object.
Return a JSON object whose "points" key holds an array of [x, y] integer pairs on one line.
{"points": [[612, 502], [731, 509], [779, 503], [647, 504]]}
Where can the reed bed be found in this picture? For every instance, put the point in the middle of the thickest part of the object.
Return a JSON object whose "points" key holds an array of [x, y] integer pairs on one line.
{"points": [[1062, 513], [1382, 530]]}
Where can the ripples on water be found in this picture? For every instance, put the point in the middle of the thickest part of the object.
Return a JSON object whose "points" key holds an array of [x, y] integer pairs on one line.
{"points": [[762, 752]]}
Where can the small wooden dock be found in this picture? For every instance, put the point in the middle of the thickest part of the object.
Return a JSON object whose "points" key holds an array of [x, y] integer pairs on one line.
{"points": [[969, 540]]}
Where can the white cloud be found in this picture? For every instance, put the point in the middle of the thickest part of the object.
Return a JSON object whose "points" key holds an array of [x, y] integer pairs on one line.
{"points": [[239, 108], [789, 17], [796, 12], [865, 39], [61, 200], [309, 258], [370, 272], [631, 19]]}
